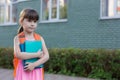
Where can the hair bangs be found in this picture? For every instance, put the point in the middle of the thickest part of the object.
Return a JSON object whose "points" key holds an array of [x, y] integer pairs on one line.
{"points": [[31, 15]]}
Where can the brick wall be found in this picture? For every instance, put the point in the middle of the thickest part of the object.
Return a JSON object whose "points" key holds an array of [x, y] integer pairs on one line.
{"points": [[83, 29]]}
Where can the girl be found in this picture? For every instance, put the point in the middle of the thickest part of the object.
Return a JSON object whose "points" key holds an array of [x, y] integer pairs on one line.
{"points": [[28, 21]]}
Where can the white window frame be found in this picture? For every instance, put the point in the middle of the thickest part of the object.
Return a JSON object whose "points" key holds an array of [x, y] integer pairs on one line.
{"points": [[57, 19], [116, 16], [6, 23]]}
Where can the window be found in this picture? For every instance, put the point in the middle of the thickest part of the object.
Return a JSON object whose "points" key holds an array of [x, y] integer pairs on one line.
{"points": [[8, 12], [110, 9], [53, 10], [17, 0]]}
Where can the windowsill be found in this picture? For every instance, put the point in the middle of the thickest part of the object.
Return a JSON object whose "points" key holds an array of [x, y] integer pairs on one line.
{"points": [[19, 1], [115, 17], [8, 24], [54, 21]]}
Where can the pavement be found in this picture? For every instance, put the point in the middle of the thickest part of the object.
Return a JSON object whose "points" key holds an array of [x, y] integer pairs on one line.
{"points": [[7, 74]]}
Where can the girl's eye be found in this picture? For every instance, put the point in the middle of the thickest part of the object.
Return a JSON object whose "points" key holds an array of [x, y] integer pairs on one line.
{"points": [[29, 20]]}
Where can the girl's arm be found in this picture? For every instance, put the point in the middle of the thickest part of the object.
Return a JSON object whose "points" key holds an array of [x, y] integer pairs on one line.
{"points": [[23, 55], [45, 56]]}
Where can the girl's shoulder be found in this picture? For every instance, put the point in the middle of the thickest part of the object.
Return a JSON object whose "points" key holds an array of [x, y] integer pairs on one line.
{"points": [[16, 39], [37, 36], [21, 35]]}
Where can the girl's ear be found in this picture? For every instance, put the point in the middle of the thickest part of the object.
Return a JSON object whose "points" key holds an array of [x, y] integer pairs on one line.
{"points": [[20, 22]]}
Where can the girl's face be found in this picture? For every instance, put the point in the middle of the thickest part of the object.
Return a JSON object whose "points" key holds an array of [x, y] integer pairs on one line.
{"points": [[29, 25]]}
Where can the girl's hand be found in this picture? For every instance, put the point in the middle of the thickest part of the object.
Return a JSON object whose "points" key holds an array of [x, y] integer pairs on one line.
{"points": [[40, 53], [29, 66]]}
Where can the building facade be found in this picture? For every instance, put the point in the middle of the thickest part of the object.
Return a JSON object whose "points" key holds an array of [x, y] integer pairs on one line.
{"points": [[68, 23]]}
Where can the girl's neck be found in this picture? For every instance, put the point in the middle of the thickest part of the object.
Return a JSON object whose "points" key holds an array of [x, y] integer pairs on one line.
{"points": [[29, 36], [28, 33]]}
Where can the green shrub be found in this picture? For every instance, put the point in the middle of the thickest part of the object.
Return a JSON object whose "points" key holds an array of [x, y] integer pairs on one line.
{"points": [[6, 57], [92, 63]]}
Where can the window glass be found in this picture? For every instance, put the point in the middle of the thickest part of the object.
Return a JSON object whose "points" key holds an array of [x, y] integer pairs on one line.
{"points": [[118, 7], [63, 9], [2, 1], [54, 10], [110, 8], [8, 11], [14, 12], [2, 12], [45, 8]]}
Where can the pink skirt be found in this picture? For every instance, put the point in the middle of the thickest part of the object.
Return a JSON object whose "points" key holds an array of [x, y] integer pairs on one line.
{"points": [[36, 74]]}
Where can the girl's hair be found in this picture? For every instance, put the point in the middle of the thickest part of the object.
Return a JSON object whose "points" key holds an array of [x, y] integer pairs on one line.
{"points": [[29, 14]]}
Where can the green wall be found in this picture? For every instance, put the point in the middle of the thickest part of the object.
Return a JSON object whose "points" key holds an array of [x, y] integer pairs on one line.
{"points": [[83, 29]]}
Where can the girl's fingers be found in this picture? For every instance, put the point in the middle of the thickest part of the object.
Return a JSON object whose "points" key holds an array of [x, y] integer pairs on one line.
{"points": [[26, 66], [27, 63]]}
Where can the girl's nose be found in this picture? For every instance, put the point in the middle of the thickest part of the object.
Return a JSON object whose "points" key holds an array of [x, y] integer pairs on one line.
{"points": [[32, 23]]}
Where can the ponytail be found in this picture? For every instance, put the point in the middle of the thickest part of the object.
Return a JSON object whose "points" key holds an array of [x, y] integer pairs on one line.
{"points": [[20, 30]]}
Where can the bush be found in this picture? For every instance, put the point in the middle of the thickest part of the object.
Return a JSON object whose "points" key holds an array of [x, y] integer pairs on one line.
{"points": [[92, 63], [6, 57]]}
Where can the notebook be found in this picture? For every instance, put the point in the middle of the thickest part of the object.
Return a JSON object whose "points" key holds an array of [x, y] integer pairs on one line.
{"points": [[31, 47], [22, 47]]}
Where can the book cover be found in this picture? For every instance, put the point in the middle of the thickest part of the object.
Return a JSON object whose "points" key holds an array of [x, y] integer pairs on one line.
{"points": [[31, 47]]}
